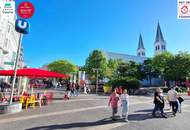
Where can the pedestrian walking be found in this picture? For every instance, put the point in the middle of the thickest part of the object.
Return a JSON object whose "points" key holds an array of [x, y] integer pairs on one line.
{"points": [[66, 96], [159, 103], [125, 105], [113, 101], [180, 100], [173, 96], [77, 89], [72, 88]]}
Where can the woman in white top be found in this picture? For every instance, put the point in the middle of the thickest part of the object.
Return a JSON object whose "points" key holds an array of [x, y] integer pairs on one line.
{"points": [[125, 104]]}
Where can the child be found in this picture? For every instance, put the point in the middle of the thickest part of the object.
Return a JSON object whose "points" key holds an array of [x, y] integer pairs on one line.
{"points": [[114, 98], [125, 105]]}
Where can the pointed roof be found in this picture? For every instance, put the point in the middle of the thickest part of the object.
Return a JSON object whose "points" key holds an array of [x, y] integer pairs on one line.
{"points": [[140, 45], [159, 36]]}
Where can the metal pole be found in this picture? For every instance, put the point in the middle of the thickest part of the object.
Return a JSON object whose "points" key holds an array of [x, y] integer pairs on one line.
{"points": [[15, 68], [19, 86], [96, 81]]}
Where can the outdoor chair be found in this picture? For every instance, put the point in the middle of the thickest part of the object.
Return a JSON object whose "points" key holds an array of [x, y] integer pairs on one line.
{"points": [[22, 100], [31, 101]]}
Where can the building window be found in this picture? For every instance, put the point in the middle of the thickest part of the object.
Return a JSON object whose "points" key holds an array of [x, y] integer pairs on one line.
{"points": [[139, 54], [158, 47], [163, 47]]}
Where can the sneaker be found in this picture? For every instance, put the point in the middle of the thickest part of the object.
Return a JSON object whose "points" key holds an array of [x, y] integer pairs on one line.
{"points": [[113, 118], [126, 120], [164, 116], [174, 113]]}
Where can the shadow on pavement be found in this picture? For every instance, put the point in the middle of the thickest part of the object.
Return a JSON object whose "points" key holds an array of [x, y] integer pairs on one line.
{"points": [[139, 117], [131, 117], [147, 114], [76, 125], [58, 98], [145, 110]]}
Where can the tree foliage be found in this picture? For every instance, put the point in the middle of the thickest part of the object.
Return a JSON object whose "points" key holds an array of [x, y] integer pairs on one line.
{"points": [[96, 60], [112, 66], [178, 67], [62, 66], [160, 62], [149, 70]]}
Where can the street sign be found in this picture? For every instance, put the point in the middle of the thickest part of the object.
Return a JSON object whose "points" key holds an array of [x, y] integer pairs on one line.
{"points": [[9, 63], [7, 9], [25, 10], [22, 26]]}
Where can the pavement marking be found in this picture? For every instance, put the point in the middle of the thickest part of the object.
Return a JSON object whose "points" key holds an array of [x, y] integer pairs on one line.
{"points": [[58, 113]]}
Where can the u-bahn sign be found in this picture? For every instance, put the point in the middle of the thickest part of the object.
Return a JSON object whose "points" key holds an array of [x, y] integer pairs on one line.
{"points": [[22, 26], [25, 10]]}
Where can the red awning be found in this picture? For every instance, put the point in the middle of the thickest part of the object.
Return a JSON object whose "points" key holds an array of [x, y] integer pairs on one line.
{"points": [[33, 72]]}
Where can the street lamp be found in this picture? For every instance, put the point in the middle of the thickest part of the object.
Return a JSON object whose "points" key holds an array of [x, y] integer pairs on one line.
{"points": [[96, 69]]}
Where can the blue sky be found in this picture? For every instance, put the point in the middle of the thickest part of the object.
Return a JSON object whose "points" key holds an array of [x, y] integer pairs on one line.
{"points": [[71, 29]]}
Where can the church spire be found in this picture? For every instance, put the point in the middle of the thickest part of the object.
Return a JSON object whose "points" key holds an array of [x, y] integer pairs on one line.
{"points": [[140, 49], [140, 45], [159, 44], [159, 36]]}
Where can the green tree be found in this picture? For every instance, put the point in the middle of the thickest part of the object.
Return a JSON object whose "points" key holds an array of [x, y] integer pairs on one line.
{"points": [[178, 67], [62, 66], [96, 60], [160, 62], [149, 71], [112, 66]]}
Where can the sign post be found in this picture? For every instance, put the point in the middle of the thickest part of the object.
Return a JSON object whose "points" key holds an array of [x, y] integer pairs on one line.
{"points": [[25, 10], [15, 67]]}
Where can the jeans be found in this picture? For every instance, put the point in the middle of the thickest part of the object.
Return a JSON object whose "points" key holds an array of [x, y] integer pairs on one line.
{"points": [[174, 106], [125, 107], [156, 108]]}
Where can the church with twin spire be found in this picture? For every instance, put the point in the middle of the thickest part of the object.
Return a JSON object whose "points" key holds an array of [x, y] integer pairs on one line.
{"points": [[159, 47]]}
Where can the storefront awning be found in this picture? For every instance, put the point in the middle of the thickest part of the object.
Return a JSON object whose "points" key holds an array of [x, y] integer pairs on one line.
{"points": [[33, 72]]}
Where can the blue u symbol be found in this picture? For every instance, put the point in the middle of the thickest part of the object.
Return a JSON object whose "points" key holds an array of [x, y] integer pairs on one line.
{"points": [[22, 26]]}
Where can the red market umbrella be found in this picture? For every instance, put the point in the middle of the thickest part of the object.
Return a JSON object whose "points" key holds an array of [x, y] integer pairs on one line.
{"points": [[33, 72]]}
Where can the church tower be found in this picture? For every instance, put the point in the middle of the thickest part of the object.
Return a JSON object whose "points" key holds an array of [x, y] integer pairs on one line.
{"points": [[140, 49], [159, 44]]}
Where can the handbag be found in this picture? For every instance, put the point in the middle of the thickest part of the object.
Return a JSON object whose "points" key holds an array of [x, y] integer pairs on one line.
{"points": [[180, 99]]}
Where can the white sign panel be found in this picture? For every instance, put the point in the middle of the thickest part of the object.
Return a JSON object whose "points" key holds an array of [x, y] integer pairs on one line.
{"points": [[7, 9], [183, 9]]}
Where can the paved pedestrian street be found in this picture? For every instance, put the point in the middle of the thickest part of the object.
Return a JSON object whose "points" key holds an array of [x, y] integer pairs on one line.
{"points": [[90, 112]]}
